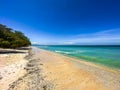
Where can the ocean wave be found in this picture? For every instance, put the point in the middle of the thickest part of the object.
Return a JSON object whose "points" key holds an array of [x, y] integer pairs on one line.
{"points": [[65, 52]]}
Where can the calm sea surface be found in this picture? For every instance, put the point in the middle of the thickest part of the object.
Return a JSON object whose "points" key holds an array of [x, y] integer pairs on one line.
{"points": [[104, 55]]}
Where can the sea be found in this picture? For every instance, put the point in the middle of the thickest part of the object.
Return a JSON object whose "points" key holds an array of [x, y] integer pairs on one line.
{"points": [[106, 55]]}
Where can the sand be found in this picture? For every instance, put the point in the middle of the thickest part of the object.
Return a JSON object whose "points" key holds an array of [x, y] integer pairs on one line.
{"points": [[44, 70], [11, 66]]}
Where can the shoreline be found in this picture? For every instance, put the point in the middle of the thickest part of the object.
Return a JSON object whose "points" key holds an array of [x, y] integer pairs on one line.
{"points": [[104, 59], [45, 70], [106, 76], [71, 58]]}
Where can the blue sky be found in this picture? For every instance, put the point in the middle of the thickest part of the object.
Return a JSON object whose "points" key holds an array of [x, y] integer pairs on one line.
{"points": [[64, 21]]}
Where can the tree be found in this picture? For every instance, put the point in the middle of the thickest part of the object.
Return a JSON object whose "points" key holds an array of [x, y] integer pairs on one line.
{"points": [[10, 38]]}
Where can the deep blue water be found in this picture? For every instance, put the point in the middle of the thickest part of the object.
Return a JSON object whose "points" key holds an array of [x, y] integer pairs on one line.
{"points": [[104, 55]]}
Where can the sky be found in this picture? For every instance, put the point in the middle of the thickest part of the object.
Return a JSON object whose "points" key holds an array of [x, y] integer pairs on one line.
{"points": [[81, 22]]}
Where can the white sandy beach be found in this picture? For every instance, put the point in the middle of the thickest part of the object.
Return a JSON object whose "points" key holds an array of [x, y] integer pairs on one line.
{"points": [[11, 67], [44, 70]]}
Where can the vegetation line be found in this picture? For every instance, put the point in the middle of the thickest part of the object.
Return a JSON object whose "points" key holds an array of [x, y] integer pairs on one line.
{"points": [[10, 38]]}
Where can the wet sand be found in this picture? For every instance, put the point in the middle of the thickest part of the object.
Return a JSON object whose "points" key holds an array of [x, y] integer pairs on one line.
{"points": [[44, 70]]}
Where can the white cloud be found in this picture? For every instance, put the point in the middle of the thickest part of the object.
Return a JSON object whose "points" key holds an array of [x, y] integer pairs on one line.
{"points": [[103, 37], [68, 42]]}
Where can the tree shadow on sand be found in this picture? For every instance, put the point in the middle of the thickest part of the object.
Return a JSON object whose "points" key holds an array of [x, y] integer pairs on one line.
{"points": [[14, 51], [24, 48], [10, 52]]}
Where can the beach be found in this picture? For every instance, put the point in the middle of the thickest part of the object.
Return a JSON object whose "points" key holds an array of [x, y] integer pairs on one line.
{"points": [[44, 70], [12, 63]]}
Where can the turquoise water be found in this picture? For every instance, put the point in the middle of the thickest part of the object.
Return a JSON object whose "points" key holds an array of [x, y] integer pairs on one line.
{"points": [[104, 55]]}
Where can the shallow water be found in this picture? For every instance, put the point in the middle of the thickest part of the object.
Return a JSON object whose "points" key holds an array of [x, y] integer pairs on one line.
{"points": [[104, 55]]}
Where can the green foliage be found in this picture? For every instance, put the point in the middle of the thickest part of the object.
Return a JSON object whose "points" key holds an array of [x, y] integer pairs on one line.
{"points": [[5, 44], [10, 38]]}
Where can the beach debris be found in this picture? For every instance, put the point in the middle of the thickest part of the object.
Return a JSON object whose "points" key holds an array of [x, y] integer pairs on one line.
{"points": [[44, 87], [1, 77], [41, 64], [33, 77]]}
